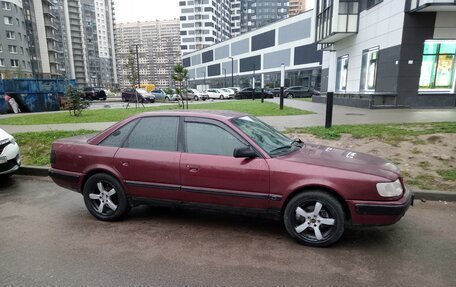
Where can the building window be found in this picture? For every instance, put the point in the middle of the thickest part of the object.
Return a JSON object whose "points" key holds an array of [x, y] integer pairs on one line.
{"points": [[438, 66], [12, 49], [10, 35], [2, 62], [342, 71], [6, 6], [14, 63], [8, 20], [369, 69], [372, 3]]}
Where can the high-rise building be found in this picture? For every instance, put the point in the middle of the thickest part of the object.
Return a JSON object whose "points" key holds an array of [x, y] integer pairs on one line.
{"points": [[158, 51], [87, 41], [60, 39], [299, 6], [258, 13], [14, 51], [204, 23]]}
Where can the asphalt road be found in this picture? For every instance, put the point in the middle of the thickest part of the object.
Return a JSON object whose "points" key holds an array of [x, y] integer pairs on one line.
{"points": [[47, 238]]}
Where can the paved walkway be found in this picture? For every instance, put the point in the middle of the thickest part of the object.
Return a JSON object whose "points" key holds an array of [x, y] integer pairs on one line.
{"points": [[341, 115]]}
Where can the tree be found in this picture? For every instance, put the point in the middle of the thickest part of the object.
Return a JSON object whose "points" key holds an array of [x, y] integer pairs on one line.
{"points": [[131, 66], [76, 103], [180, 75]]}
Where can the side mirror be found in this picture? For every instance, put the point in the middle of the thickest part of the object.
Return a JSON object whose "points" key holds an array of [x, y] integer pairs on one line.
{"points": [[244, 152]]}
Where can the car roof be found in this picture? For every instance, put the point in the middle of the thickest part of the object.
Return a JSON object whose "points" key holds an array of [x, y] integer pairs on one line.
{"points": [[212, 114]]}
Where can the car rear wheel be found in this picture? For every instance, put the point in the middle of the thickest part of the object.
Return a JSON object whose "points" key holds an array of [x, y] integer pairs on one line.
{"points": [[314, 218], [290, 96], [221, 97], [195, 98], [166, 99], [105, 198]]}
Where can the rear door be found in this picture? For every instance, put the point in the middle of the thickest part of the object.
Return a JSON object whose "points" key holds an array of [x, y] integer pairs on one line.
{"points": [[149, 158], [210, 173]]}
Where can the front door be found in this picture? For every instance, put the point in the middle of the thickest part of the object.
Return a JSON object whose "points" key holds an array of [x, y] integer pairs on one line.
{"points": [[210, 174], [149, 159]]}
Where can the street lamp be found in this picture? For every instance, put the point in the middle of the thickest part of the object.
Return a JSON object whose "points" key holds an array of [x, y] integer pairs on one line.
{"points": [[232, 71], [224, 73]]}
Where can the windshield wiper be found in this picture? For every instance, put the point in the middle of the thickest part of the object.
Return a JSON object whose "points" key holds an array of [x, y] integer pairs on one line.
{"points": [[298, 142]]}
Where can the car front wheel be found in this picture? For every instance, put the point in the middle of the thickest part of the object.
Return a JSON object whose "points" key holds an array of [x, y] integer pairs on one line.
{"points": [[290, 96], [314, 218], [195, 98], [221, 97], [105, 198]]}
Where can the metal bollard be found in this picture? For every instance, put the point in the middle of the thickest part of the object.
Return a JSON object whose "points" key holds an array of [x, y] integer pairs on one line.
{"points": [[329, 109]]}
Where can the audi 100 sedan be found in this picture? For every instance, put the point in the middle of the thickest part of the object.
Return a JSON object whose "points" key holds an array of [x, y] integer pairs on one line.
{"points": [[233, 162]]}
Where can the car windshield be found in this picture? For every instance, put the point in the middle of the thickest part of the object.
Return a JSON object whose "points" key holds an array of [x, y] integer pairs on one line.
{"points": [[270, 140]]}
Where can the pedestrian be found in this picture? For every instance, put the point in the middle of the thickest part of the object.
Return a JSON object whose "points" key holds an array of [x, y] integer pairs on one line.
{"points": [[13, 104]]}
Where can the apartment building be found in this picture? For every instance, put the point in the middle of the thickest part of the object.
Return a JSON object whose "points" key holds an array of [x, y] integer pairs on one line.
{"points": [[258, 13], [298, 6], [14, 51], [203, 23], [158, 44]]}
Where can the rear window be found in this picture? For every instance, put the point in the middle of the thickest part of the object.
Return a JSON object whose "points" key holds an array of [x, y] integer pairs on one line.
{"points": [[117, 138]]}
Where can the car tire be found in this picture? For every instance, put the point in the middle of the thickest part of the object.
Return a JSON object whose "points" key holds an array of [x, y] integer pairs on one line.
{"points": [[311, 228], [166, 99], [105, 198], [221, 97], [290, 96], [195, 98]]}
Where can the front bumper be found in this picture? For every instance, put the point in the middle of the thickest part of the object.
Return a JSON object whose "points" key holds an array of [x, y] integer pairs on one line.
{"points": [[11, 165], [380, 212]]}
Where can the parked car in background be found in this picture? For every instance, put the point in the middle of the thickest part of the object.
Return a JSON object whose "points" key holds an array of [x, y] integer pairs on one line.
{"points": [[194, 94], [94, 93], [229, 161], [161, 95], [230, 92], [276, 92], [235, 89], [248, 93], [218, 94], [10, 158], [298, 92], [129, 95]]}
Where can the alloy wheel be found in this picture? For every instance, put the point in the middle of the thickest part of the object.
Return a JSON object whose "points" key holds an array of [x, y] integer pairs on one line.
{"points": [[104, 198]]}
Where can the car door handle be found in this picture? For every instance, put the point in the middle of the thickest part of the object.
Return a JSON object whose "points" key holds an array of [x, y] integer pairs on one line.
{"points": [[192, 168]]}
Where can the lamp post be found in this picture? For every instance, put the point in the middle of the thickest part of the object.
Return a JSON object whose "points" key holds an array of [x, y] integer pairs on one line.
{"points": [[232, 71], [253, 82], [224, 73]]}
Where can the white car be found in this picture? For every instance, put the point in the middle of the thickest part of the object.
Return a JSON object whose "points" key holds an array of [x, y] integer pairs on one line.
{"points": [[10, 159], [219, 94], [194, 94]]}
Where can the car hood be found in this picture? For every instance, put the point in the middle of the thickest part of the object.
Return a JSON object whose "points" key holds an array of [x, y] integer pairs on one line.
{"points": [[4, 135], [344, 159]]}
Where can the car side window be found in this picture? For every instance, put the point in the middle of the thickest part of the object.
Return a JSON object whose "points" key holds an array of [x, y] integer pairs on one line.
{"points": [[203, 138], [117, 138], [155, 133]]}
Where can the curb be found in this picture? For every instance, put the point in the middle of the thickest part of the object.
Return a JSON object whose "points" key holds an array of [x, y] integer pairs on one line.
{"points": [[433, 195], [33, 170]]}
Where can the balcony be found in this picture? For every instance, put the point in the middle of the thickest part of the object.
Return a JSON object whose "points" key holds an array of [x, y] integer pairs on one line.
{"points": [[432, 5], [336, 20]]}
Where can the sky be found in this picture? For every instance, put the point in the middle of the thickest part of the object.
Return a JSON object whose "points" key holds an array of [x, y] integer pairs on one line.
{"points": [[145, 10]]}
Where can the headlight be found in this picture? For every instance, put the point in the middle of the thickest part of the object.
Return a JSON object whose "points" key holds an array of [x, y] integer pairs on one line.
{"points": [[390, 189]]}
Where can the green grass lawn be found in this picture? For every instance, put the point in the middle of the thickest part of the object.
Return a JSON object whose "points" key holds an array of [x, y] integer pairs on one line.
{"points": [[36, 146], [255, 108], [304, 99], [389, 133]]}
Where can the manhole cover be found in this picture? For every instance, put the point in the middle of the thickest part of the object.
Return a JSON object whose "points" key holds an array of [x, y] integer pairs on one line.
{"points": [[354, 114]]}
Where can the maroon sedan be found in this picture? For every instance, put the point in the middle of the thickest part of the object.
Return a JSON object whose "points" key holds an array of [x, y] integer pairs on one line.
{"points": [[234, 162]]}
